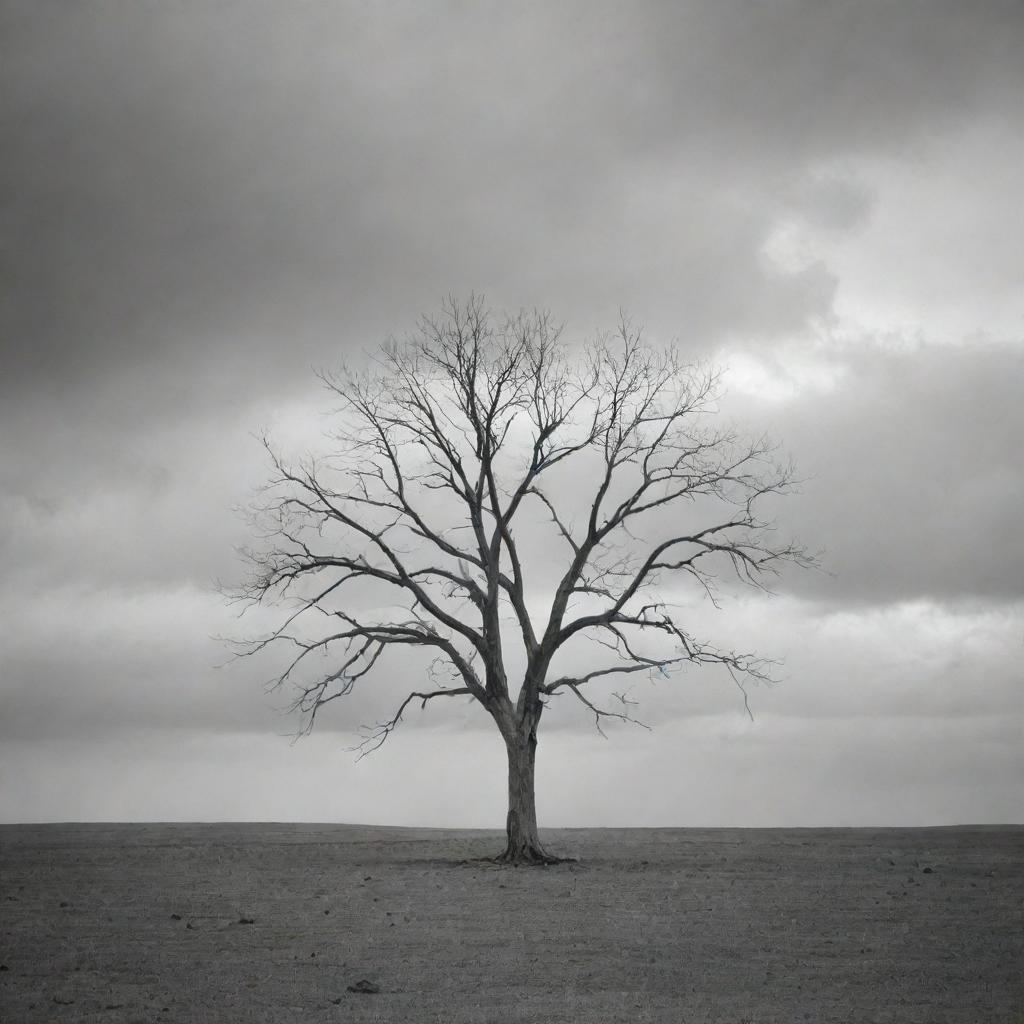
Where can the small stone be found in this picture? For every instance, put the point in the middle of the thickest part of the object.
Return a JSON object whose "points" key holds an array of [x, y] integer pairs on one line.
{"points": [[246, 920], [927, 871], [364, 987], [175, 917]]}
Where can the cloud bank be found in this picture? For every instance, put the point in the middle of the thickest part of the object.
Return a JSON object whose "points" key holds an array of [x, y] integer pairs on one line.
{"points": [[199, 204]]}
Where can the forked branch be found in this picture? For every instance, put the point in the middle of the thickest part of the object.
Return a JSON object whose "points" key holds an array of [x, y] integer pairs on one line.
{"points": [[410, 531]]}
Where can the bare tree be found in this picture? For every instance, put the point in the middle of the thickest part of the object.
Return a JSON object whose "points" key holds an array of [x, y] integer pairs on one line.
{"points": [[443, 443]]}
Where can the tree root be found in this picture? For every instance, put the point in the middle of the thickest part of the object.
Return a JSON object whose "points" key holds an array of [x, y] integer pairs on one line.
{"points": [[530, 856]]}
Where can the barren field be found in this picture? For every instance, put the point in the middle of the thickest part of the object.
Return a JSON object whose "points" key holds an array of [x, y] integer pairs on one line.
{"points": [[259, 922]]}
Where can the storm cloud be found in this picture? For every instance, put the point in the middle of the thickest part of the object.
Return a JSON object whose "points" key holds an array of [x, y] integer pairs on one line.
{"points": [[201, 203]]}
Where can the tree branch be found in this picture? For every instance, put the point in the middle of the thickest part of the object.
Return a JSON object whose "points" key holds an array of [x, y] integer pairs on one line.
{"points": [[439, 444], [375, 740]]}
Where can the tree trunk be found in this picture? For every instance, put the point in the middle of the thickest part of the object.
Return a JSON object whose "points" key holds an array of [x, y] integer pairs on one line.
{"points": [[523, 846]]}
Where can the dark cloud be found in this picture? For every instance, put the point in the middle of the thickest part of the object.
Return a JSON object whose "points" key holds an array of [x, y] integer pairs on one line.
{"points": [[830, 201], [808, 80], [87, 501], [913, 474], [200, 202], [240, 188]]}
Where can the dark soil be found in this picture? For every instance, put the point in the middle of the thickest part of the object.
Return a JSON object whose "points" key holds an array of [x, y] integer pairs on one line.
{"points": [[127, 923]]}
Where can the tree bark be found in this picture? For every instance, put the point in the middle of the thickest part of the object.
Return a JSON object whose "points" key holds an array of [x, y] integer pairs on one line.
{"points": [[523, 841]]}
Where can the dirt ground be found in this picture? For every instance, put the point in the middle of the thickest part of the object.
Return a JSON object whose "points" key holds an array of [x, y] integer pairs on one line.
{"points": [[164, 923]]}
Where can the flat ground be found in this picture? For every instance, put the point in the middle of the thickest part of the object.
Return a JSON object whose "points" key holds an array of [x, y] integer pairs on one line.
{"points": [[164, 923]]}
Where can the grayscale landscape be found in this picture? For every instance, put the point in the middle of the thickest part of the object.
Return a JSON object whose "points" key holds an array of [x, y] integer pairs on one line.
{"points": [[606, 416], [273, 923]]}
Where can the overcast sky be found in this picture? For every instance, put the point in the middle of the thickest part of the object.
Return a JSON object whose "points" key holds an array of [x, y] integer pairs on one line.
{"points": [[203, 202]]}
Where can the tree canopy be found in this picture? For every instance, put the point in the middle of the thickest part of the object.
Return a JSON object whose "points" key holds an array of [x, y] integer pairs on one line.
{"points": [[449, 449]]}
